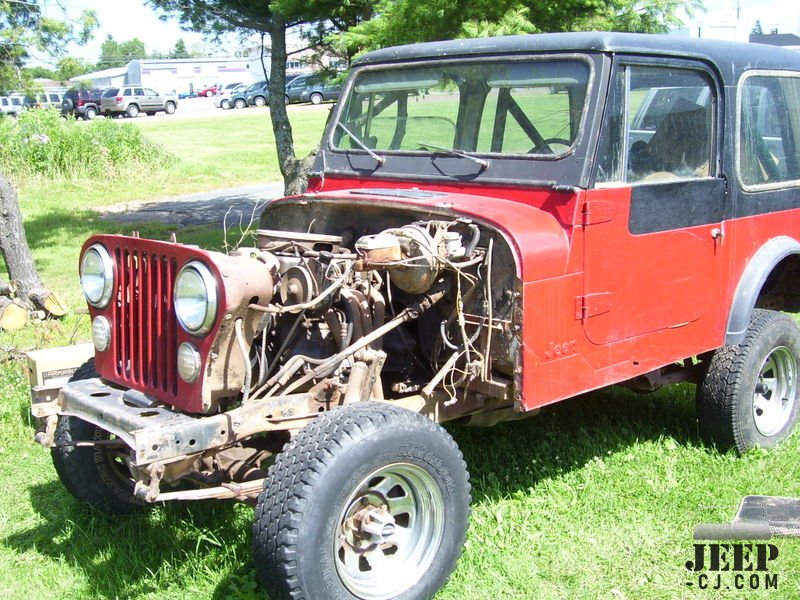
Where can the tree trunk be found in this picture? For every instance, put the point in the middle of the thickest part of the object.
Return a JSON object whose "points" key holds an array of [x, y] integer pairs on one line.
{"points": [[295, 171], [14, 247]]}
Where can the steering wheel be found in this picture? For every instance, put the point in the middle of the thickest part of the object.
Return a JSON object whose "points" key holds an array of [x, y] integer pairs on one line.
{"points": [[544, 147]]}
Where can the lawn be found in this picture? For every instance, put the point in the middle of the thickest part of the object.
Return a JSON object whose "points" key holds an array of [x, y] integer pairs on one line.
{"points": [[595, 497], [220, 152]]}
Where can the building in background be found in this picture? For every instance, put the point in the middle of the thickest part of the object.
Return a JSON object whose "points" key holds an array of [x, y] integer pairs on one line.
{"points": [[174, 74], [773, 22]]}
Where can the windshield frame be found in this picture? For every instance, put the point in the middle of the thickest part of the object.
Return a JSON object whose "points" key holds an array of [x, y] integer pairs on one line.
{"points": [[582, 57]]}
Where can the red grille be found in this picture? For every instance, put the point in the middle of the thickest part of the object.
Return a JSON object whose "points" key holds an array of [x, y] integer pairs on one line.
{"points": [[145, 327]]}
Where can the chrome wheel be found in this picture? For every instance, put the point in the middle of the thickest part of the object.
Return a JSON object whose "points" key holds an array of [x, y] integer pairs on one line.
{"points": [[389, 530], [775, 391]]}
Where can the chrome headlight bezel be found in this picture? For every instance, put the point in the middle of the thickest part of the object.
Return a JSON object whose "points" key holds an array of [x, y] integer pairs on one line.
{"points": [[197, 327], [106, 272]]}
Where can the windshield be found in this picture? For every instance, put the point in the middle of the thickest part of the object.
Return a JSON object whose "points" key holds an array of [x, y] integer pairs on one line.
{"points": [[512, 107]]}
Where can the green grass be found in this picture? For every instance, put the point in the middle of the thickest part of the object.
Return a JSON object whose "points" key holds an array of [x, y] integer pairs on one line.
{"points": [[219, 152], [595, 497]]}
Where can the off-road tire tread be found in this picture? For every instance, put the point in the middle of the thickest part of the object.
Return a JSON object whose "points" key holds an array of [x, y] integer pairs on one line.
{"points": [[718, 394], [79, 481], [296, 470]]}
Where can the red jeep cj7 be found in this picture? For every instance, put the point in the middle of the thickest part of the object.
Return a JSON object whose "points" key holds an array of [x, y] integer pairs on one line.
{"points": [[492, 226]]}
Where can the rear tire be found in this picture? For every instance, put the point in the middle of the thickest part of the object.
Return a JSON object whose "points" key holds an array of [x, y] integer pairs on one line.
{"points": [[748, 398], [170, 108], [240, 103], [90, 113], [95, 475], [133, 111], [259, 101], [315, 98], [368, 501]]}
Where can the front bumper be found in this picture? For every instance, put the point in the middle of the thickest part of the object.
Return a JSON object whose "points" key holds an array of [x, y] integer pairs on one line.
{"points": [[158, 433]]}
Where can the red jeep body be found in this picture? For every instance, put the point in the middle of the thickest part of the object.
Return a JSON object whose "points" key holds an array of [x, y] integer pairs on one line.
{"points": [[491, 226]]}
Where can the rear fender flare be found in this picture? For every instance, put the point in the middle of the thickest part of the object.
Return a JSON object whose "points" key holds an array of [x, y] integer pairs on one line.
{"points": [[752, 281]]}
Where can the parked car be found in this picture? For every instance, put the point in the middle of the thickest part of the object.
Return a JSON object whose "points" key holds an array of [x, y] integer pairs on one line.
{"points": [[480, 239], [49, 99], [258, 96], [239, 99], [221, 99], [314, 88], [184, 95], [11, 106], [130, 100], [80, 102], [208, 91]]}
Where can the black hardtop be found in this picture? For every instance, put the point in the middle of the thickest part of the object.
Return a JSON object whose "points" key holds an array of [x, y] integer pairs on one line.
{"points": [[730, 58]]}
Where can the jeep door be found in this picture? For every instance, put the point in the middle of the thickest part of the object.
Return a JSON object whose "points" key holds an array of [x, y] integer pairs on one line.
{"points": [[654, 251]]}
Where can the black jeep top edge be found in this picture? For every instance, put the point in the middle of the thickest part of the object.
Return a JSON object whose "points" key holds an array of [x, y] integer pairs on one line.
{"points": [[730, 58]]}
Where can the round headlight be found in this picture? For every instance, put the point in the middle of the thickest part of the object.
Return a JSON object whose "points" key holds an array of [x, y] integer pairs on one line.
{"points": [[196, 298], [188, 362], [101, 333], [97, 276]]}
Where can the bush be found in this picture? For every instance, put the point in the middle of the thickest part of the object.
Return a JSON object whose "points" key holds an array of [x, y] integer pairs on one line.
{"points": [[42, 143]]}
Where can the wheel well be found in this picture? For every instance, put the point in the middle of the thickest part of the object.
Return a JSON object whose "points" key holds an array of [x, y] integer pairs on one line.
{"points": [[781, 290], [767, 282]]}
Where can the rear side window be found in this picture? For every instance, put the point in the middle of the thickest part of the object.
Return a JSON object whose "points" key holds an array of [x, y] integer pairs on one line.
{"points": [[769, 130], [110, 92]]}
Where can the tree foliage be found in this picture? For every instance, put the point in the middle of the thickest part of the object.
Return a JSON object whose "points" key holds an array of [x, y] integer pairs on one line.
{"points": [[118, 54], [24, 28], [411, 21], [69, 67], [179, 51]]}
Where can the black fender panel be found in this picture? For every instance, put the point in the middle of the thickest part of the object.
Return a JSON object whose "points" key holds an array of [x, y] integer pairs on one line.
{"points": [[753, 278]]}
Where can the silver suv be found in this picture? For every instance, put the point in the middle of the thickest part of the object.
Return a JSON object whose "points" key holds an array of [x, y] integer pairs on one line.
{"points": [[130, 100]]}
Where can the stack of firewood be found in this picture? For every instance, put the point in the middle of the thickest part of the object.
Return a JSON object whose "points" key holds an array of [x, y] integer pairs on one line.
{"points": [[15, 313]]}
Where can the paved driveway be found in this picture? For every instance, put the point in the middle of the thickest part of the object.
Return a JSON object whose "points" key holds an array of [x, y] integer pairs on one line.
{"points": [[229, 206]]}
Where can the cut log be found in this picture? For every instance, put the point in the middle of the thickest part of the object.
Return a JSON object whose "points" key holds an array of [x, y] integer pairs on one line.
{"points": [[49, 302], [12, 315], [7, 288]]}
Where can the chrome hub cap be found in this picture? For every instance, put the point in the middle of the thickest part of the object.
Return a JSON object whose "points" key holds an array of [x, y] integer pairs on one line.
{"points": [[775, 391], [389, 531]]}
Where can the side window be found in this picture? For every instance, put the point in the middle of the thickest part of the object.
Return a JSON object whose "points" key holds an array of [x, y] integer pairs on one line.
{"points": [[769, 120], [150, 92], [138, 92], [660, 126], [127, 92]]}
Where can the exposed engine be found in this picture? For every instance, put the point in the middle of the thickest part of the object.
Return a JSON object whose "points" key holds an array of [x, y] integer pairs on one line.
{"points": [[407, 309]]}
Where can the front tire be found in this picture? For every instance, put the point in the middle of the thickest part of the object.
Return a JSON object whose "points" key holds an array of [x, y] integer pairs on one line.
{"points": [[748, 398], [368, 501], [95, 475], [240, 103]]}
